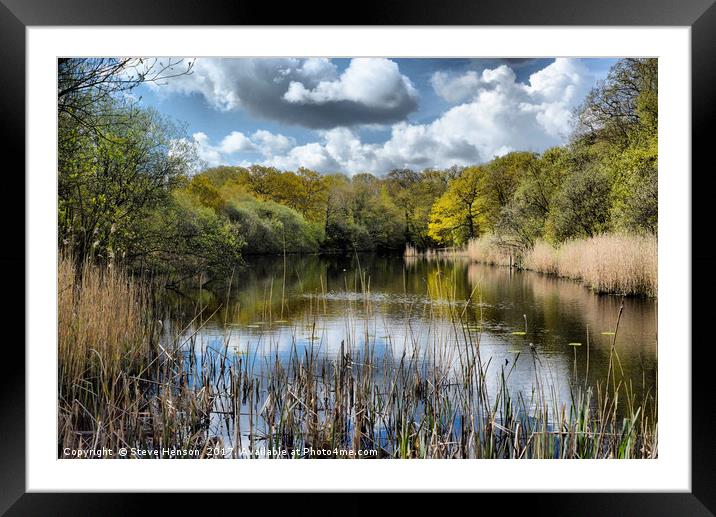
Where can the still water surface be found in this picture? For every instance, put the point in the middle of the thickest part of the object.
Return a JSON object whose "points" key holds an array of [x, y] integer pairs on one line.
{"points": [[392, 306]]}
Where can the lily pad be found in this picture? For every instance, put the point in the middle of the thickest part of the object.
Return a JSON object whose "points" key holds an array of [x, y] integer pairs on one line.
{"points": [[574, 344], [254, 326], [519, 333], [607, 333], [280, 321]]}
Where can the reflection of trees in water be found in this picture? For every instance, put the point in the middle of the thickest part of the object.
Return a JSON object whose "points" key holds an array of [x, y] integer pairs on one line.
{"points": [[564, 304], [558, 313]]}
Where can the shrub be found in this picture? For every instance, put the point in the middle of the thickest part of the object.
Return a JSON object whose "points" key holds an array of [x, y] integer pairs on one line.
{"points": [[269, 227]]}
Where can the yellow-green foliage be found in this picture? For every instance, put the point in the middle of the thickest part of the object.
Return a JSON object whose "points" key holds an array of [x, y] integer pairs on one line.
{"points": [[135, 196], [634, 195], [459, 214]]}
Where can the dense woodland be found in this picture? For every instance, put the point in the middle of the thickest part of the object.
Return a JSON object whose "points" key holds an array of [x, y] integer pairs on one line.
{"points": [[132, 190]]}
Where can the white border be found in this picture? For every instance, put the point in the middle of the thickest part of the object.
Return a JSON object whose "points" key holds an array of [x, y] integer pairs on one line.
{"points": [[671, 471]]}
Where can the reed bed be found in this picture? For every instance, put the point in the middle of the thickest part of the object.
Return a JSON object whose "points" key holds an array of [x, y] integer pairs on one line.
{"points": [[411, 251], [106, 338], [105, 322], [122, 384], [612, 263], [486, 250]]}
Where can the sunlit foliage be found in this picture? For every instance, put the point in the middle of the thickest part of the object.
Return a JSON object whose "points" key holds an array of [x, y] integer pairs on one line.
{"points": [[129, 186]]}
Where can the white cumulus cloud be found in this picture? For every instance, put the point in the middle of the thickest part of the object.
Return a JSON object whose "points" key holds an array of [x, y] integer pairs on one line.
{"points": [[455, 88], [234, 142], [270, 144], [496, 114], [263, 142], [371, 82]]}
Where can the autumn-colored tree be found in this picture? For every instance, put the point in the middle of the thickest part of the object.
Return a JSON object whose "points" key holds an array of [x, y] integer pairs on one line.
{"points": [[310, 195]]}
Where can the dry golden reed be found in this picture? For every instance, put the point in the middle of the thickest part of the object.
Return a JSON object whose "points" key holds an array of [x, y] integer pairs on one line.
{"points": [[485, 250], [104, 321], [610, 263], [106, 337]]}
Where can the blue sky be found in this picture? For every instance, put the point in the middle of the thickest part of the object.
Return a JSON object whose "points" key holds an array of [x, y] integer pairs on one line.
{"points": [[373, 114]]}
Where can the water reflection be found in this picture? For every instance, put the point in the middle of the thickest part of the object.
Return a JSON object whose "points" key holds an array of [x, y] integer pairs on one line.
{"points": [[523, 324]]}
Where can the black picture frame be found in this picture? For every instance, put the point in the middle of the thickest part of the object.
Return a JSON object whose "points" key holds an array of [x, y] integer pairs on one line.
{"points": [[700, 15]]}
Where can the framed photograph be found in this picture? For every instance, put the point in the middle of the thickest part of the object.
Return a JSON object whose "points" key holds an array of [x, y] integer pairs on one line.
{"points": [[458, 242]]}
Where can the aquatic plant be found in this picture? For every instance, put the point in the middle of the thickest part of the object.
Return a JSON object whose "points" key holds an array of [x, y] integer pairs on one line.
{"points": [[611, 263]]}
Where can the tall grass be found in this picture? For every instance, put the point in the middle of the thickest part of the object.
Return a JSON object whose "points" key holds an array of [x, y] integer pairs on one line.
{"points": [[486, 250], [105, 324], [611, 263], [615, 263], [433, 253], [411, 251], [106, 336], [120, 388]]}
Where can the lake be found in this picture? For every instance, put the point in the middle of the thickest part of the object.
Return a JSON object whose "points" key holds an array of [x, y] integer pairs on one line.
{"points": [[529, 329]]}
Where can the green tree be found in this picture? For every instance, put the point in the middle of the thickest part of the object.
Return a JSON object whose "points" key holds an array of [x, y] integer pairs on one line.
{"points": [[634, 196], [339, 228], [88, 89], [431, 185], [401, 185], [310, 195], [522, 219], [581, 208], [205, 192], [623, 107], [108, 179], [378, 222], [268, 227], [184, 237], [501, 178]]}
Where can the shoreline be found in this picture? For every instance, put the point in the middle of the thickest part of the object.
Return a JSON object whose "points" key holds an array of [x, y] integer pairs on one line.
{"points": [[613, 264]]}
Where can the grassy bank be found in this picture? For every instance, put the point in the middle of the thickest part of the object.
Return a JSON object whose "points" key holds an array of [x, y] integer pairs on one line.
{"points": [[120, 388], [611, 263]]}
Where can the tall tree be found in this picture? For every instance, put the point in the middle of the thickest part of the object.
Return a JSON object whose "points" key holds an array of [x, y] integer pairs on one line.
{"points": [[106, 180], [623, 106]]}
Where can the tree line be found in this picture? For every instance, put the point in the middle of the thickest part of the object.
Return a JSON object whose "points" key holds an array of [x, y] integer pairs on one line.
{"points": [[129, 190]]}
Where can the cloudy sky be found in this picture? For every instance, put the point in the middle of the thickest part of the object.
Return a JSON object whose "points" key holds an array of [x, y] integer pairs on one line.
{"points": [[374, 114]]}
